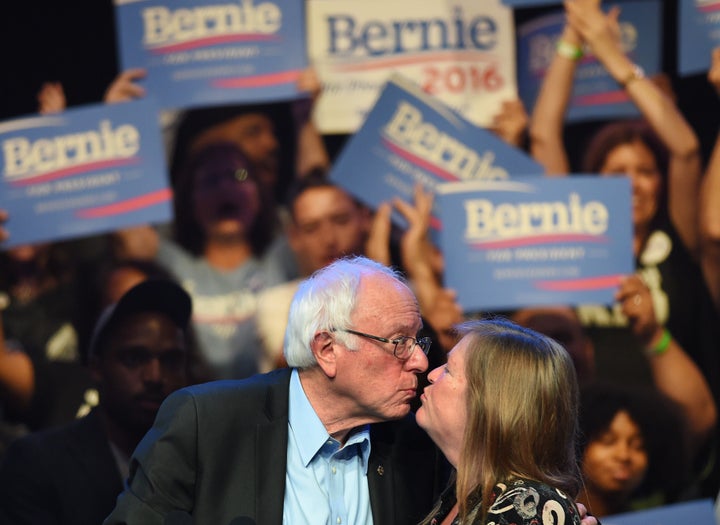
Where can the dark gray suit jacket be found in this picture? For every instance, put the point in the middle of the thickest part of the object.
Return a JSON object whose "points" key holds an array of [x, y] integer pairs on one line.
{"points": [[218, 452], [62, 476]]}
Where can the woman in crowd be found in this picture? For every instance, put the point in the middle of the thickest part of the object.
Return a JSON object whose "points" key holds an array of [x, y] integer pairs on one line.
{"points": [[633, 451], [513, 448], [661, 156], [223, 227]]}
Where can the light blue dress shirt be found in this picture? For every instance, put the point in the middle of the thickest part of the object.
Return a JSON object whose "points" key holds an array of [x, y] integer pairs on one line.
{"points": [[325, 482]]}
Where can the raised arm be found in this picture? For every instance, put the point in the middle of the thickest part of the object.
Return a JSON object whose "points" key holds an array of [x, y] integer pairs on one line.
{"points": [[17, 374], [311, 152], [709, 220], [438, 305], [674, 372], [511, 123], [602, 35], [548, 116]]}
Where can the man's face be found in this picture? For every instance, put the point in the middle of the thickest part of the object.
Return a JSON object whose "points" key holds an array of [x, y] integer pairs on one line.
{"points": [[143, 361], [326, 225], [255, 136], [377, 385]]}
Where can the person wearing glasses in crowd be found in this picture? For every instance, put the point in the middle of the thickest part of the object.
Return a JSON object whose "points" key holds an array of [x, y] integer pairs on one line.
{"points": [[331, 439]]}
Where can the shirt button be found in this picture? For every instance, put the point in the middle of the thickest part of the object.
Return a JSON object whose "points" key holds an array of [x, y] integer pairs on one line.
{"points": [[338, 520], [334, 471]]}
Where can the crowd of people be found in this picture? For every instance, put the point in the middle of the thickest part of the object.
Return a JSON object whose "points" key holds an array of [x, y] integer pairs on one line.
{"points": [[282, 353]]}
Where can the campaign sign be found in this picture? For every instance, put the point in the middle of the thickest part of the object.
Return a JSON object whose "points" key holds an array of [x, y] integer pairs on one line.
{"points": [[536, 241], [595, 94], [204, 52], [412, 138], [462, 51], [81, 172], [699, 512], [698, 35]]}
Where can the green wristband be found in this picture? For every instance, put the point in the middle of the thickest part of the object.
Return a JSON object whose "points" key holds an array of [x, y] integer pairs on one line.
{"points": [[662, 345], [568, 50]]}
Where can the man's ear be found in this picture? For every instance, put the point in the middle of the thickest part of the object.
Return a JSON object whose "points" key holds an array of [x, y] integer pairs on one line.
{"points": [[323, 348]]}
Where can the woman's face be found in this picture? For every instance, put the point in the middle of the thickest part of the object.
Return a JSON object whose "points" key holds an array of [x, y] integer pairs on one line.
{"points": [[636, 160], [443, 414], [226, 200], [616, 461]]}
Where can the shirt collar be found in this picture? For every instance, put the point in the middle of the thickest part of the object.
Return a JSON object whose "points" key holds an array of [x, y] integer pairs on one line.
{"points": [[310, 434]]}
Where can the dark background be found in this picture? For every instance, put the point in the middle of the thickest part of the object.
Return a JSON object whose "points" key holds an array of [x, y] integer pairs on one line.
{"points": [[74, 43]]}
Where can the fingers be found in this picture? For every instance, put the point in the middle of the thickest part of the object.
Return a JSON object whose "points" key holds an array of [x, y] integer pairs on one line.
{"points": [[124, 87], [51, 98], [309, 82], [377, 246], [637, 305]]}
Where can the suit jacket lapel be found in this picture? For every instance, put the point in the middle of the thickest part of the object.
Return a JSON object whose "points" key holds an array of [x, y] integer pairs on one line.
{"points": [[271, 458], [381, 472]]}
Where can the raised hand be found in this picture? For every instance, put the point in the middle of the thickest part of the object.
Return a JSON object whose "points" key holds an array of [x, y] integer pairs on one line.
{"points": [[125, 86]]}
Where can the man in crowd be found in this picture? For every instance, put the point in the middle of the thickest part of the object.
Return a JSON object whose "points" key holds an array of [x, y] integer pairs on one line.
{"points": [[137, 356]]}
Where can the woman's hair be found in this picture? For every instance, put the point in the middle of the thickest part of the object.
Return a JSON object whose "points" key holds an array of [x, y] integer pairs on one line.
{"points": [[623, 132], [661, 424], [326, 301], [187, 231], [522, 399]]}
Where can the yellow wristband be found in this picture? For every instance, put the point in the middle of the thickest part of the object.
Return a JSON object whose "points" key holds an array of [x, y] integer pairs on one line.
{"points": [[662, 345], [568, 50]]}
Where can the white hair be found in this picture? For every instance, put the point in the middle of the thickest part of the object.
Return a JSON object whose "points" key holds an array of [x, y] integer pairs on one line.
{"points": [[326, 301]]}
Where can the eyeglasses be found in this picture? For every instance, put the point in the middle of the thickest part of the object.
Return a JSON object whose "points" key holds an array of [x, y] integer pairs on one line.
{"points": [[404, 345]]}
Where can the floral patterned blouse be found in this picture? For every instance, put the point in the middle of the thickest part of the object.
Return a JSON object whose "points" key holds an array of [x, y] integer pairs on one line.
{"points": [[518, 502]]}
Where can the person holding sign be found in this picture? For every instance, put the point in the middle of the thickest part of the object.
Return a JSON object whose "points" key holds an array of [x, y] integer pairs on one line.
{"points": [[661, 156]]}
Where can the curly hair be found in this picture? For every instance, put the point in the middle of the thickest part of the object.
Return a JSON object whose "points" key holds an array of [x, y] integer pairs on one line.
{"points": [[661, 424]]}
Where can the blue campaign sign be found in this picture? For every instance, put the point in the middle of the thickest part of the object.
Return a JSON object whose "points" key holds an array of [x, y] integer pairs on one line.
{"points": [[698, 34], [698, 512], [595, 94], [411, 138], [536, 241], [85, 171], [200, 52]]}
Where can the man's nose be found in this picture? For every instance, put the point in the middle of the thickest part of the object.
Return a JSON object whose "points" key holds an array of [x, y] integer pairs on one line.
{"points": [[418, 361], [152, 371]]}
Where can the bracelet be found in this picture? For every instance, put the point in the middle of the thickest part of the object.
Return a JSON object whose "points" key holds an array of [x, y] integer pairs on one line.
{"points": [[637, 73], [568, 50], [661, 346]]}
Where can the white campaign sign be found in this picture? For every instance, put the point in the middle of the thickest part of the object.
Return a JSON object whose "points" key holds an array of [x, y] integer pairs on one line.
{"points": [[462, 51]]}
